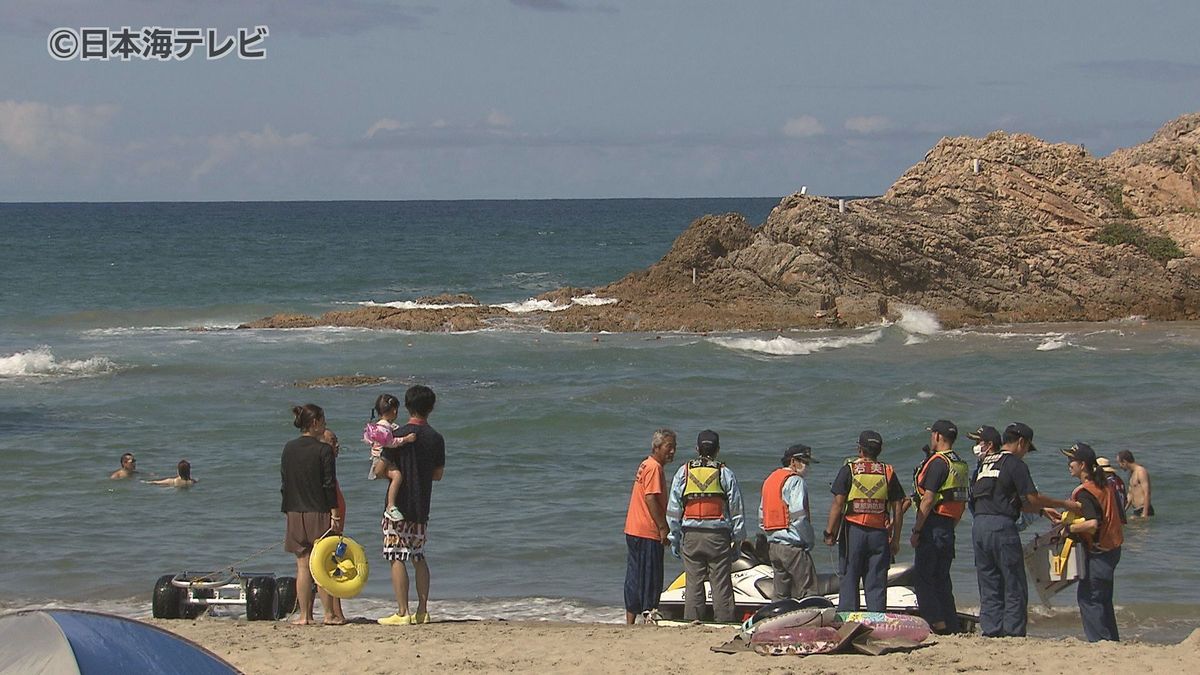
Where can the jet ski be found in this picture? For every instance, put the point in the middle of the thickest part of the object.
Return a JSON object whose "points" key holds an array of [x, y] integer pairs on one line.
{"points": [[752, 585]]}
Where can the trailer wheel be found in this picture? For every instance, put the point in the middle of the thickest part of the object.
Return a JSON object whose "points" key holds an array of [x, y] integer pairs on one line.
{"points": [[167, 602], [193, 611], [285, 588], [262, 600]]}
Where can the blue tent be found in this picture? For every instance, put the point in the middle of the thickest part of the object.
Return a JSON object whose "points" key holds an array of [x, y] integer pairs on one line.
{"points": [[72, 641]]}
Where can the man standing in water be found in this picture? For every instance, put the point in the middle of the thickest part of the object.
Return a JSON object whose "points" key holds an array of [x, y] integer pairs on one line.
{"points": [[128, 467], [942, 492], [421, 463], [1139, 485], [646, 529], [1003, 489], [704, 513]]}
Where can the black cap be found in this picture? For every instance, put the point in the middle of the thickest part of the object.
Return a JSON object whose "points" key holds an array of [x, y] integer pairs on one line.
{"points": [[1081, 452], [1019, 430], [708, 442], [944, 427], [799, 451], [986, 434], [871, 442]]}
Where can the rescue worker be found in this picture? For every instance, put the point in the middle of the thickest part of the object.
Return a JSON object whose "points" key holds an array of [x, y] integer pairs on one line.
{"points": [[785, 517], [704, 515], [941, 486], [987, 442], [1001, 491], [870, 496], [1100, 531]]}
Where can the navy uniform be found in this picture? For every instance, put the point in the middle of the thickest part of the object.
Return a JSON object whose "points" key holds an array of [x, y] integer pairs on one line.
{"points": [[1000, 488], [944, 477]]}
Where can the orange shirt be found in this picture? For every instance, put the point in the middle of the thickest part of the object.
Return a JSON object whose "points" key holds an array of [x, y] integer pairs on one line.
{"points": [[649, 481]]}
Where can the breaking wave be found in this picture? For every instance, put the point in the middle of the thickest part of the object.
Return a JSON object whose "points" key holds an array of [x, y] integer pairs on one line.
{"points": [[523, 307], [917, 321], [41, 362], [783, 346]]}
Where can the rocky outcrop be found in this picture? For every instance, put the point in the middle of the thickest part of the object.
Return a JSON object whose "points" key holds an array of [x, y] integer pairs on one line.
{"points": [[1004, 228], [339, 381]]}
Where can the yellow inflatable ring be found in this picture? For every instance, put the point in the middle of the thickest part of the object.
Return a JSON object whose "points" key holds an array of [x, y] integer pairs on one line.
{"points": [[342, 575]]}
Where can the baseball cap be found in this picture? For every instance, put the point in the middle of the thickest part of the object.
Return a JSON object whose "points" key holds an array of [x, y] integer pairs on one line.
{"points": [[1081, 452], [1019, 430], [945, 428], [1105, 464], [708, 440], [870, 440], [799, 451], [986, 434]]}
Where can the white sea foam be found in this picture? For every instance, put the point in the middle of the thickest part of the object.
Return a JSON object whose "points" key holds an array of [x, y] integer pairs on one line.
{"points": [[918, 321], [133, 330], [523, 307], [1052, 343], [590, 300], [410, 304], [41, 362], [532, 306], [783, 346], [511, 609], [920, 396]]}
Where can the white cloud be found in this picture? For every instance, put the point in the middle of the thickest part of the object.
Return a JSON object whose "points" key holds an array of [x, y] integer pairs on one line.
{"points": [[42, 132], [249, 145], [803, 127], [868, 124], [496, 118], [385, 124]]}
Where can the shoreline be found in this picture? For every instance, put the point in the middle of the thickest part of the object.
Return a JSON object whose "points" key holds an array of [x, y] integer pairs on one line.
{"points": [[521, 646]]}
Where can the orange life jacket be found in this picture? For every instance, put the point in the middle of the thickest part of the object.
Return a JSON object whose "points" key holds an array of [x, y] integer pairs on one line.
{"points": [[866, 504], [951, 497], [1110, 535], [703, 495], [775, 510]]}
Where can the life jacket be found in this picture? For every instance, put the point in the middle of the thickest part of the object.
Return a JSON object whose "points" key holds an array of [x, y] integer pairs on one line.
{"points": [[1110, 535], [775, 513], [866, 503], [951, 498], [703, 495], [1122, 496]]}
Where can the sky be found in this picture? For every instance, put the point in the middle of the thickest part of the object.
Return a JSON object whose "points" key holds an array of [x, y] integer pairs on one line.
{"points": [[532, 99]]}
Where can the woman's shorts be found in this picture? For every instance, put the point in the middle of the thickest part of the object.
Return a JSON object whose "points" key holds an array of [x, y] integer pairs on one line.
{"points": [[304, 528]]}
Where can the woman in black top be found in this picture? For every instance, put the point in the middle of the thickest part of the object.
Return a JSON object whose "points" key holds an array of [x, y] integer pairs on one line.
{"points": [[1099, 531], [307, 483]]}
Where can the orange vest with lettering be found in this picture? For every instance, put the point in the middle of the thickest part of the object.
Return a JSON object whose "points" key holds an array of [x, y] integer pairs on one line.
{"points": [[1110, 535], [775, 511], [866, 504], [703, 495]]}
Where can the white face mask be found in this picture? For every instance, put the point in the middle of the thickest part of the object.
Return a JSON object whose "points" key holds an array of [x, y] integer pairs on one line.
{"points": [[978, 450]]}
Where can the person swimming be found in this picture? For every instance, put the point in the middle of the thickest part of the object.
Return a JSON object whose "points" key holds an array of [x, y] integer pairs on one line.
{"points": [[183, 477]]}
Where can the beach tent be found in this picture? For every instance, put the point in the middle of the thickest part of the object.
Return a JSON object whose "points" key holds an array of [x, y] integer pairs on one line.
{"points": [[71, 641]]}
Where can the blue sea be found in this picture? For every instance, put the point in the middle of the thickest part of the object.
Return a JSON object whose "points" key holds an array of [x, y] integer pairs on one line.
{"points": [[117, 334]]}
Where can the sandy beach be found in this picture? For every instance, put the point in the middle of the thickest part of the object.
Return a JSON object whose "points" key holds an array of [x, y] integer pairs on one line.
{"points": [[497, 646]]}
